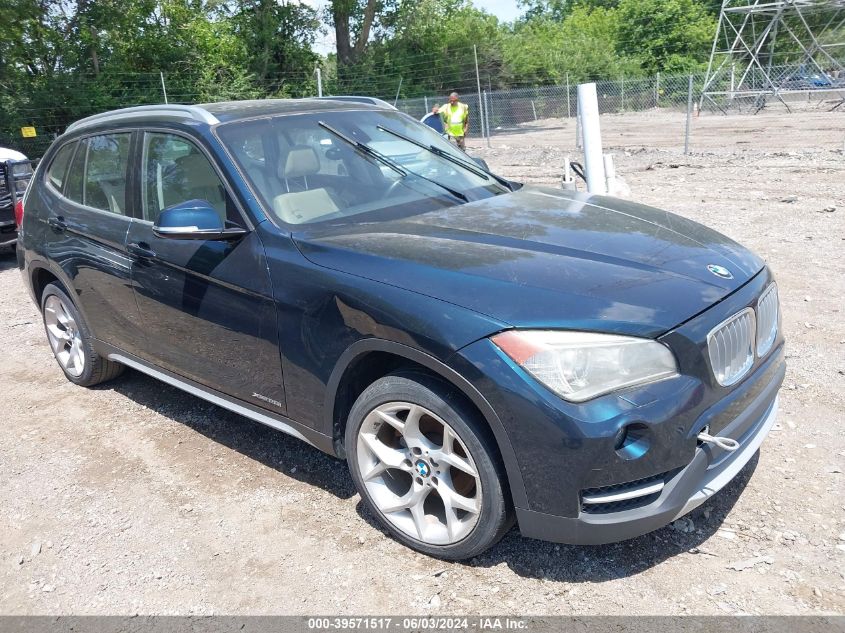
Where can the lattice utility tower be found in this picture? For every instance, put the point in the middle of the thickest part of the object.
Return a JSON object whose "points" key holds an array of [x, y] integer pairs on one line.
{"points": [[768, 48]]}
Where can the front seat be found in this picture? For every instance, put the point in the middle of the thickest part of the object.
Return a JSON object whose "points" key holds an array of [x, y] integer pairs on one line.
{"points": [[298, 207]]}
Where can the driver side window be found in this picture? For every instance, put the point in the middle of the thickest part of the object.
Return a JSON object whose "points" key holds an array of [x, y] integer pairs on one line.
{"points": [[173, 171]]}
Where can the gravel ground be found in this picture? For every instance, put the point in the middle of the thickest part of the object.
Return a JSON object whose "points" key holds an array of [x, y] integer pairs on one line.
{"points": [[136, 498]]}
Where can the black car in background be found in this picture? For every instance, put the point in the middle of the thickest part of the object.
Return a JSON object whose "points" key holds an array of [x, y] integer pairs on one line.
{"points": [[14, 177], [479, 351]]}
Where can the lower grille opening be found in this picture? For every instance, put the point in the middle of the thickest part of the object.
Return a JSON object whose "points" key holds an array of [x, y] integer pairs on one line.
{"points": [[625, 496]]}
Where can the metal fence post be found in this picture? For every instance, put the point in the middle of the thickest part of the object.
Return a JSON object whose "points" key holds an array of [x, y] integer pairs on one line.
{"points": [[689, 115], [426, 104], [319, 82], [478, 87], [657, 90], [163, 87], [534, 109], [622, 88], [568, 99], [487, 105]]}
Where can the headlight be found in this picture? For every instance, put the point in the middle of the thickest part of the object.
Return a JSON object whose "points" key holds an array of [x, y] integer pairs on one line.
{"points": [[580, 365]]}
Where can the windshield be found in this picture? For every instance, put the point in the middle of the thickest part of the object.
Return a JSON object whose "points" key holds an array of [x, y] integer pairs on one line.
{"points": [[304, 172]]}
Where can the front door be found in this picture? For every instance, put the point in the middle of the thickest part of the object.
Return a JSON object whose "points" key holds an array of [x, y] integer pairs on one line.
{"points": [[205, 306]]}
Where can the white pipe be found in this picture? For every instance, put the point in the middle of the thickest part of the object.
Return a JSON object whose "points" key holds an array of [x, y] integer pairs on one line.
{"points": [[588, 112]]}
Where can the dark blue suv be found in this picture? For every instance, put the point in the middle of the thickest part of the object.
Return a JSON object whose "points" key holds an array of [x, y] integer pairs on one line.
{"points": [[479, 351]]}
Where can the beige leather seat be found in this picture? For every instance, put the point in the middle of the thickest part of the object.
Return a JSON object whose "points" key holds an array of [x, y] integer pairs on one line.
{"points": [[297, 207]]}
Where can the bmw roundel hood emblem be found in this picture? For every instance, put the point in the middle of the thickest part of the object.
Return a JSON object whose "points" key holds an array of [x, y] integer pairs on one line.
{"points": [[720, 271]]}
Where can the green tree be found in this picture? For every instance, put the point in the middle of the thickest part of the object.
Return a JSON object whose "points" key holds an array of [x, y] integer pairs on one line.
{"points": [[666, 35], [279, 40]]}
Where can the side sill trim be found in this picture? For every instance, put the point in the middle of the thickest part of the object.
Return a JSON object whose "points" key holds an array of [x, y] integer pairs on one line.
{"points": [[211, 396]]}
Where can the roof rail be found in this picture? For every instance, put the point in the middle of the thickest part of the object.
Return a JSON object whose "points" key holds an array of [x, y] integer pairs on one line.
{"points": [[175, 111]]}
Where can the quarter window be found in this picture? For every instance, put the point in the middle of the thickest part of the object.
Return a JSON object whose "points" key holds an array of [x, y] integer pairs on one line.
{"points": [[58, 168], [97, 177], [174, 170]]}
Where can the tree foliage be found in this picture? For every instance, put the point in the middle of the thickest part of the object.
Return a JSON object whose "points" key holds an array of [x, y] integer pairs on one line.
{"points": [[64, 59]]}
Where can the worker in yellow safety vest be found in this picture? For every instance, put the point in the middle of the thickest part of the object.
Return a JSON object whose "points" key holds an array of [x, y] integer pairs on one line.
{"points": [[455, 116]]}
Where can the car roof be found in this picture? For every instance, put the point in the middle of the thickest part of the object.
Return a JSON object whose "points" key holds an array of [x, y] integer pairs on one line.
{"points": [[220, 112]]}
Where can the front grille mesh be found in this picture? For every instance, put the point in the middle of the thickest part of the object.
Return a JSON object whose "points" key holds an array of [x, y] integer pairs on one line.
{"points": [[767, 320], [731, 347]]}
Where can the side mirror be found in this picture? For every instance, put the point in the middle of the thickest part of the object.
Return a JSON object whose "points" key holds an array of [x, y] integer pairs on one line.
{"points": [[481, 163], [193, 220]]}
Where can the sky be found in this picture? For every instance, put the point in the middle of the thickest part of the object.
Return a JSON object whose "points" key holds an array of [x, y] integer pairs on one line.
{"points": [[505, 10]]}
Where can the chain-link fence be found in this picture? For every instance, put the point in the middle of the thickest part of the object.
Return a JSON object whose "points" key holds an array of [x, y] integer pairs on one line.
{"points": [[513, 110], [502, 111]]}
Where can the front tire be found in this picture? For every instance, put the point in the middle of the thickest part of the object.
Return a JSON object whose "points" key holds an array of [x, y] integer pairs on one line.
{"points": [[70, 340], [426, 466]]}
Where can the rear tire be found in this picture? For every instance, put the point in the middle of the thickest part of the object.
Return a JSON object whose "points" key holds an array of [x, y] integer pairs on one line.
{"points": [[427, 467], [70, 340]]}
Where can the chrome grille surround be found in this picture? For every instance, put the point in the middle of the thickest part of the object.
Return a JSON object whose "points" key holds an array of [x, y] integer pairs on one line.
{"points": [[731, 347], [767, 319]]}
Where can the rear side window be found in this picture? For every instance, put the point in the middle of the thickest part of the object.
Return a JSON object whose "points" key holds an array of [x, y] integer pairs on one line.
{"points": [[58, 168], [97, 177]]}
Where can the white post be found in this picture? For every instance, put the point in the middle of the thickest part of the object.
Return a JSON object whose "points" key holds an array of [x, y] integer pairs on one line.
{"points": [[163, 88], [427, 109], [534, 110], [588, 113], [319, 83]]}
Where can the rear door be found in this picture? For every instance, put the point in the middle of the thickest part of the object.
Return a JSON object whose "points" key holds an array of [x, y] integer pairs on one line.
{"points": [[88, 219], [206, 306]]}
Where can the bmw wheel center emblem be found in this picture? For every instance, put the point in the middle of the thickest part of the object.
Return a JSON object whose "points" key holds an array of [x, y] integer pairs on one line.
{"points": [[423, 469], [720, 271]]}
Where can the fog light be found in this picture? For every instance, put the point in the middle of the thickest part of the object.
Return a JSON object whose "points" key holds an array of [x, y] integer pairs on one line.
{"points": [[633, 441]]}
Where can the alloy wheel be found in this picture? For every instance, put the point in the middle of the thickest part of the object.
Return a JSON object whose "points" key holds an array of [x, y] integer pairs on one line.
{"points": [[419, 473], [64, 336]]}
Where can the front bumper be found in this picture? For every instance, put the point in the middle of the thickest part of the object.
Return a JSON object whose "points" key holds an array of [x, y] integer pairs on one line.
{"points": [[710, 471], [8, 230], [569, 478]]}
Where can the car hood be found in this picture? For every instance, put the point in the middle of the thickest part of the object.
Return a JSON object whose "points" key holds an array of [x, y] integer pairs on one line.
{"points": [[542, 257]]}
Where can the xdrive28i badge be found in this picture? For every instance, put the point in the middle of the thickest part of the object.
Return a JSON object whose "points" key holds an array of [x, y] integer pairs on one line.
{"points": [[720, 271]]}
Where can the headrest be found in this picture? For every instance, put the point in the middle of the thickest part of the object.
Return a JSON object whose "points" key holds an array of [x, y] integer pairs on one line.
{"points": [[301, 161]]}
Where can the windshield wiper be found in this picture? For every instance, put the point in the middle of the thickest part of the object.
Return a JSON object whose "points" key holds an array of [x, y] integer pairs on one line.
{"points": [[365, 149], [369, 151], [478, 171]]}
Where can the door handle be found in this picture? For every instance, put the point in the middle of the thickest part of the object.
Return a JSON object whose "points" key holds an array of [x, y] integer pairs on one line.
{"points": [[58, 224], [141, 249]]}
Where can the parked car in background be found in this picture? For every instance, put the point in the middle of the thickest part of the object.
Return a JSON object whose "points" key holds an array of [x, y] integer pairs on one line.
{"points": [[480, 352], [15, 172]]}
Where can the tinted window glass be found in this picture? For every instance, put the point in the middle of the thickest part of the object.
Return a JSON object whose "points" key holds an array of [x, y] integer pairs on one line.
{"points": [[76, 174], [105, 172], [58, 168], [174, 170], [97, 176]]}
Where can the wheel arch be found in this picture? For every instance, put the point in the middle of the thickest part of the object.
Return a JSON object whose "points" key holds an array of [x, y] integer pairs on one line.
{"points": [[388, 356]]}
